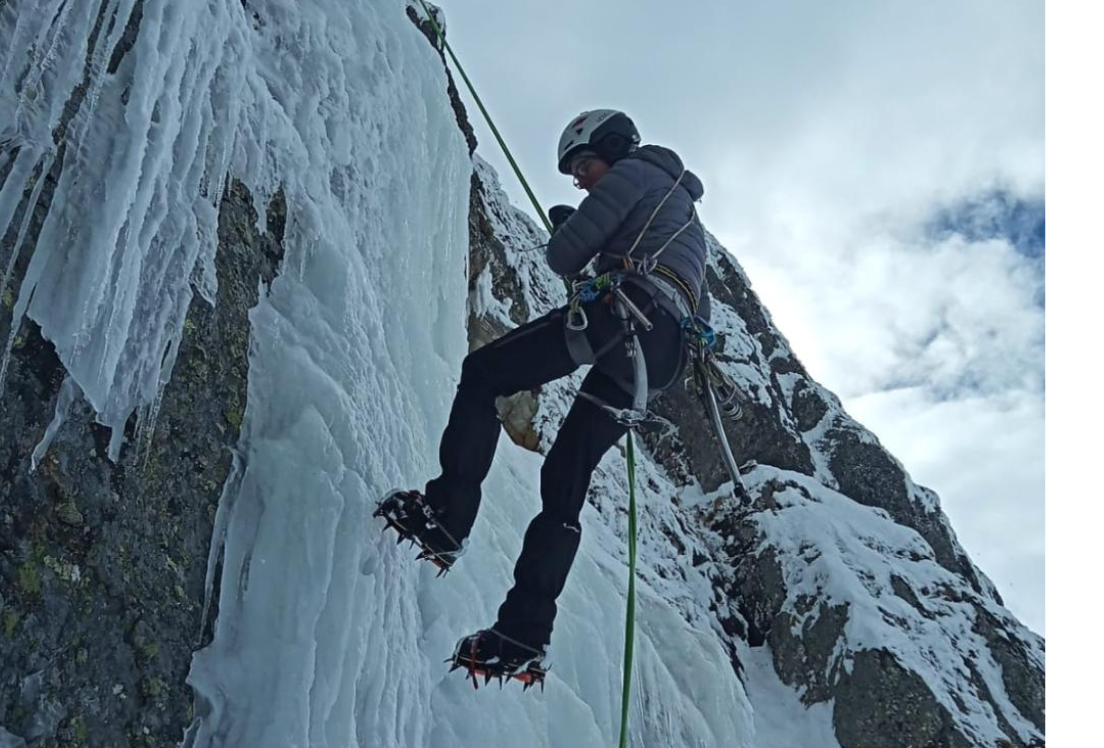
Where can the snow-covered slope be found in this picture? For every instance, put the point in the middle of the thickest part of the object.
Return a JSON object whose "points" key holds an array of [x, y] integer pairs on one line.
{"points": [[838, 609]]}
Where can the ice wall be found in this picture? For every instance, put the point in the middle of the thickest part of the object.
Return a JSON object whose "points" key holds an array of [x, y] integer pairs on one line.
{"points": [[141, 130], [328, 635], [133, 114]]}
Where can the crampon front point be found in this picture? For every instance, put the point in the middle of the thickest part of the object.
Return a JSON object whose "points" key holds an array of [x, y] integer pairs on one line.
{"points": [[533, 675]]}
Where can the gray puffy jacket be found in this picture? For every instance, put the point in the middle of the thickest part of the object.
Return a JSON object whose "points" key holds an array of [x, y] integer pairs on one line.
{"points": [[611, 217]]}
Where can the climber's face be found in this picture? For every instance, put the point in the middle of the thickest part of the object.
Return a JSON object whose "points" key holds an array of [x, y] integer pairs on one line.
{"points": [[587, 170]]}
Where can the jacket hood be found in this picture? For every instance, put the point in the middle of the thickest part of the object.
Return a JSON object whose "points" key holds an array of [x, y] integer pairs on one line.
{"points": [[670, 162]]}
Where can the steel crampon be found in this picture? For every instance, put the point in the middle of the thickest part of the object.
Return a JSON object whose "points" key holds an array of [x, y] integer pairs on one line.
{"points": [[532, 675], [443, 561]]}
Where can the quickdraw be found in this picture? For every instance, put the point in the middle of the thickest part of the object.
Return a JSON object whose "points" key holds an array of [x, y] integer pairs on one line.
{"points": [[698, 332], [701, 339], [583, 291], [718, 392]]}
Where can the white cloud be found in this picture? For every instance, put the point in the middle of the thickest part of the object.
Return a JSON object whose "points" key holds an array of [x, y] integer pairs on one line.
{"points": [[953, 315]]}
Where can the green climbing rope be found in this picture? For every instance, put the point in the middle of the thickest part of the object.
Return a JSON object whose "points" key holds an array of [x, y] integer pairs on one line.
{"points": [[487, 117], [630, 614]]}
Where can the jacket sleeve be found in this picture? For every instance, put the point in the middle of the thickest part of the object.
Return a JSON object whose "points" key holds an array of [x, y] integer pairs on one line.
{"points": [[594, 224]]}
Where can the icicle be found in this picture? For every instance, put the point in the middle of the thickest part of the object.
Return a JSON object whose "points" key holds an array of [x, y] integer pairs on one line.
{"points": [[11, 194], [98, 69], [28, 215], [19, 43], [143, 437], [148, 423], [66, 396], [57, 26], [218, 534], [118, 436], [31, 89], [16, 321]]}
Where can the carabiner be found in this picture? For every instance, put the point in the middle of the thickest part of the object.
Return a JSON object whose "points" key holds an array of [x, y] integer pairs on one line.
{"points": [[576, 326]]}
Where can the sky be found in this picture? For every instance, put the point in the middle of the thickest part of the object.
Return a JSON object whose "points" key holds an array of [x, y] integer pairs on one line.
{"points": [[878, 170]]}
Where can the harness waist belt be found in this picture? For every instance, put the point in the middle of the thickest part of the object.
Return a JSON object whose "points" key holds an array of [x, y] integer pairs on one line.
{"points": [[670, 296]]}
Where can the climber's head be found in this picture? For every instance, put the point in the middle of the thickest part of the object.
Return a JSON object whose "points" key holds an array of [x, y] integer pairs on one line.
{"points": [[604, 135]]}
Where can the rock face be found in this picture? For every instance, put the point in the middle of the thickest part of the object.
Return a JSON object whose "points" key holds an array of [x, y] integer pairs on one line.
{"points": [[102, 563]]}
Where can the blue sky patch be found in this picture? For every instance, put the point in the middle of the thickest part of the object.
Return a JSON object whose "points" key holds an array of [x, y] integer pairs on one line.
{"points": [[993, 215]]}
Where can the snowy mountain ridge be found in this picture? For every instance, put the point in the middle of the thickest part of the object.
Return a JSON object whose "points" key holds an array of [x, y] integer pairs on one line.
{"points": [[216, 233]]}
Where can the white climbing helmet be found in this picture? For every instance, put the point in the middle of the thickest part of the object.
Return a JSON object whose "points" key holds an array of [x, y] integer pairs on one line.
{"points": [[607, 132]]}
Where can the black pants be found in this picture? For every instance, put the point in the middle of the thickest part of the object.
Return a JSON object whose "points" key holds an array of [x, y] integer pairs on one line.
{"points": [[524, 358]]}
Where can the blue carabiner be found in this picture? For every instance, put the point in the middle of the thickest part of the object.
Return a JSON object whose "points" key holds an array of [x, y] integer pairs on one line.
{"points": [[700, 330], [589, 291]]}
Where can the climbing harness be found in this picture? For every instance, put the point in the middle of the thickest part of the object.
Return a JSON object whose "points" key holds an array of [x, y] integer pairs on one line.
{"points": [[665, 289], [589, 289], [718, 392]]}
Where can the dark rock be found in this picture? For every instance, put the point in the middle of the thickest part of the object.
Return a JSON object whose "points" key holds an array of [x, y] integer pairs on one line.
{"points": [[805, 659], [880, 704], [902, 589], [92, 587], [867, 473], [426, 27], [1024, 680], [808, 407]]}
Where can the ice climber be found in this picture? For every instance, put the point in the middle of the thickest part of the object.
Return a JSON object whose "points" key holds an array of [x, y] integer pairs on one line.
{"points": [[639, 231]]}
